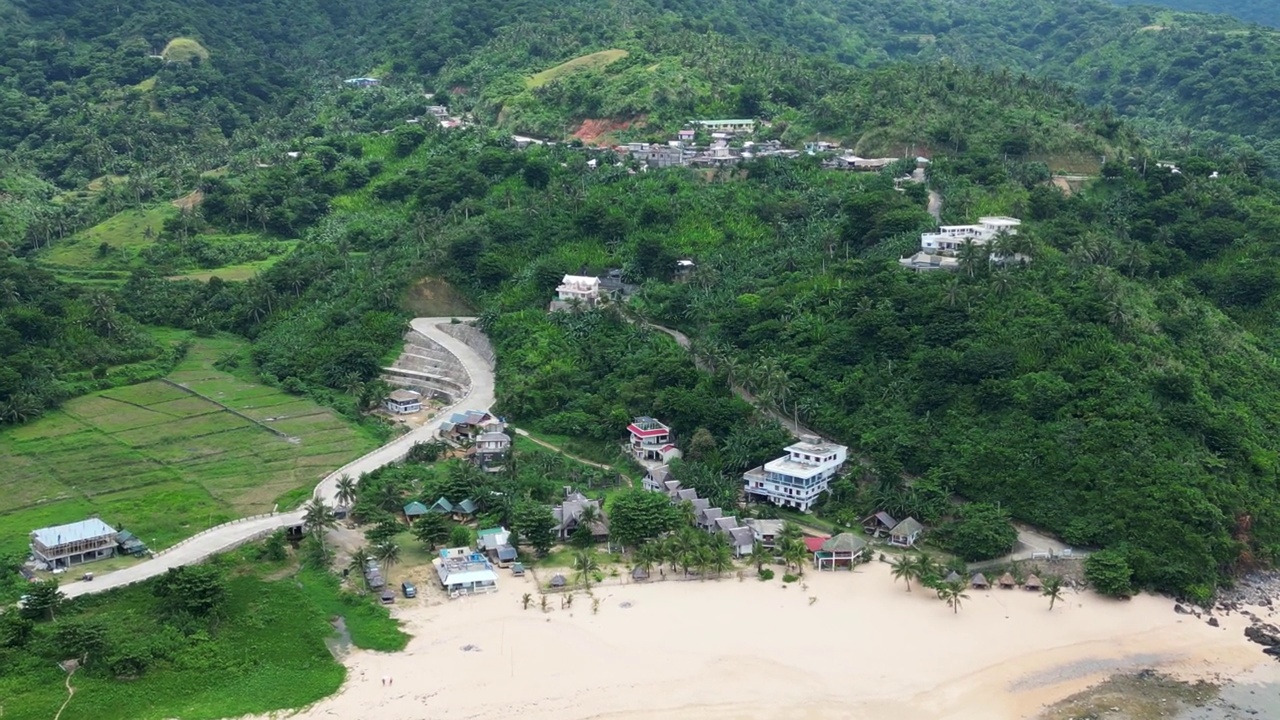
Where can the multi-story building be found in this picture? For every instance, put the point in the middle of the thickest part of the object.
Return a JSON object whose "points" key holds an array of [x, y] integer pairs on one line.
{"points": [[576, 291], [79, 542], [799, 477], [950, 238], [652, 441]]}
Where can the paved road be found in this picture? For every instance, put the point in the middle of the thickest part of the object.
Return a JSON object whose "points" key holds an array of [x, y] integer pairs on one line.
{"points": [[479, 395]]}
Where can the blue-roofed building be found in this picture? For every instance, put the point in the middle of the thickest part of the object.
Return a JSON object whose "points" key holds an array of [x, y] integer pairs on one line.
{"points": [[362, 82], [467, 425], [73, 543]]}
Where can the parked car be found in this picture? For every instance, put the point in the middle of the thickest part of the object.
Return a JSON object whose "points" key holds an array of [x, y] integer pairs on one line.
{"points": [[409, 590]]}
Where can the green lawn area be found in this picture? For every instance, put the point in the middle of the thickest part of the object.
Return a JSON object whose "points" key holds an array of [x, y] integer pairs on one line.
{"points": [[583, 62], [267, 652], [167, 464], [243, 271], [123, 231]]}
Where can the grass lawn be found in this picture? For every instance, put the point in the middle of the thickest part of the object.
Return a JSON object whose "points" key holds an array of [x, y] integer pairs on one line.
{"points": [[123, 231], [243, 271], [167, 464], [583, 62], [268, 651]]}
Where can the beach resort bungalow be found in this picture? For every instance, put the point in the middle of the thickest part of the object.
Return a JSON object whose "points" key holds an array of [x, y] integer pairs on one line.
{"points": [[905, 533], [656, 478], [460, 511], [734, 127], [74, 543], [707, 517], [401, 402], [799, 477], [979, 582], [1032, 583], [576, 291], [839, 551], [742, 540], [652, 441], [463, 571], [491, 450], [415, 510], [1007, 582], [569, 513], [765, 532], [495, 543], [878, 524]]}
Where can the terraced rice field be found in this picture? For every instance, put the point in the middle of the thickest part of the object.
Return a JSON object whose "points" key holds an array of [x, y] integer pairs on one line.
{"points": [[167, 463]]}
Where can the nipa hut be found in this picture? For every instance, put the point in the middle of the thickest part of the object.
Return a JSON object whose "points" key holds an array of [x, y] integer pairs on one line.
{"points": [[557, 581], [952, 577], [639, 573], [1007, 582], [1032, 583], [979, 582]]}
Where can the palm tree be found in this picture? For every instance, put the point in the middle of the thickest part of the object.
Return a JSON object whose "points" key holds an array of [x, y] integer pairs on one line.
{"points": [[759, 555], [646, 556], [317, 518], [586, 565], [346, 494], [925, 568], [388, 553], [953, 593], [359, 561], [525, 600], [1052, 589], [904, 568], [721, 558]]}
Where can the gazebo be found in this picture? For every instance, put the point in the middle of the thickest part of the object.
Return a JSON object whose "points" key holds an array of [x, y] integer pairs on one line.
{"points": [[1032, 583], [413, 510], [952, 577], [1007, 582], [557, 581], [979, 582]]}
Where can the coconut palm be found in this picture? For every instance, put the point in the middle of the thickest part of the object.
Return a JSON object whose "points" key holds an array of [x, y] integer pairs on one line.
{"points": [[721, 558], [525, 600], [904, 568], [646, 556], [586, 564], [388, 553], [926, 570], [359, 561], [953, 593], [318, 518], [346, 491], [759, 555], [1052, 589]]}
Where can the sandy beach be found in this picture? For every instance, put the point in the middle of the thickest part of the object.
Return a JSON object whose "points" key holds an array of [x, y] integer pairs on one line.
{"points": [[865, 648]]}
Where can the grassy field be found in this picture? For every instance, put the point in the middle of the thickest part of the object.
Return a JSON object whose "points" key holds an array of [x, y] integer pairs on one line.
{"points": [[584, 62], [244, 271], [268, 652], [181, 49], [126, 231], [165, 463]]}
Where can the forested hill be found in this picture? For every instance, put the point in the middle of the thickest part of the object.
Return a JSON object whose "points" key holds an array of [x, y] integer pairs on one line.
{"points": [[1265, 12]]}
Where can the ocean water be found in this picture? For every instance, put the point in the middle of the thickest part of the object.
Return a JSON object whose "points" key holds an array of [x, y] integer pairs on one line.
{"points": [[1255, 695]]}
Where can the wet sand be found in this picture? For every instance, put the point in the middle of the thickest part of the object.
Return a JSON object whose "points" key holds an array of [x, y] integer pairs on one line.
{"points": [[865, 648]]}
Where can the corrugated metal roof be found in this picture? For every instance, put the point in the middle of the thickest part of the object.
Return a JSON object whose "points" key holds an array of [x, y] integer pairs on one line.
{"points": [[72, 532]]}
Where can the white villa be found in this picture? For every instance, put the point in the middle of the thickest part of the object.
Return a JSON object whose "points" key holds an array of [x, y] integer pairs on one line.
{"points": [[74, 543], [728, 126], [938, 249], [401, 402], [463, 571], [799, 477], [580, 288], [652, 441]]}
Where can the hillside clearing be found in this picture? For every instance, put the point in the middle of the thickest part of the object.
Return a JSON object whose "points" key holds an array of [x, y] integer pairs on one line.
{"points": [[181, 49], [166, 463], [583, 62], [243, 271], [129, 230]]}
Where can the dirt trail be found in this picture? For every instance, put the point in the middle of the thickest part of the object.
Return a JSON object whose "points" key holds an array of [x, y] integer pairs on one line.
{"points": [[71, 692]]}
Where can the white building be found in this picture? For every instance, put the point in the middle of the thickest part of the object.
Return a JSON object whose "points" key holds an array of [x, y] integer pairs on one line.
{"points": [[950, 238], [400, 402], [798, 478], [652, 441], [464, 571], [580, 288], [728, 126]]}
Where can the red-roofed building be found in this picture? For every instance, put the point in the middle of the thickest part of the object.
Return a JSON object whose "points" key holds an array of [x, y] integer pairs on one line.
{"points": [[814, 544], [652, 440]]}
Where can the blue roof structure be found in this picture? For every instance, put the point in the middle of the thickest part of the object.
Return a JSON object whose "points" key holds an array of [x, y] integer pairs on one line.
{"points": [[72, 532]]}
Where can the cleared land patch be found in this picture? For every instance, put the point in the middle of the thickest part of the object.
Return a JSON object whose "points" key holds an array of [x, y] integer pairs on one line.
{"points": [[129, 230], [164, 463], [181, 49], [583, 62]]}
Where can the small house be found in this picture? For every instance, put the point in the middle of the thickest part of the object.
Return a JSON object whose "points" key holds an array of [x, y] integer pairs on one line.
{"points": [[655, 477], [491, 450], [639, 573], [414, 510], [576, 292], [129, 544], [468, 425], [734, 126], [495, 543], [742, 540], [706, 519], [766, 532], [686, 135], [1032, 583], [814, 544], [839, 551], [979, 582], [401, 402], [881, 523], [906, 533], [952, 577], [1007, 581], [569, 513], [388, 597], [558, 581], [442, 506], [362, 82], [463, 572]]}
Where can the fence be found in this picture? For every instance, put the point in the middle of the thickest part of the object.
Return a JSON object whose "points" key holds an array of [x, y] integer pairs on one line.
{"points": [[215, 528]]}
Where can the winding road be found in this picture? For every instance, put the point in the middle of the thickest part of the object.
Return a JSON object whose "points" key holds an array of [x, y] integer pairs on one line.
{"points": [[479, 395]]}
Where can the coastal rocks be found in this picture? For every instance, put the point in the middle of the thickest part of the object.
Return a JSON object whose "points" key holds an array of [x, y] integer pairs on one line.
{"points": [[1259, 588], [1263, 634]]}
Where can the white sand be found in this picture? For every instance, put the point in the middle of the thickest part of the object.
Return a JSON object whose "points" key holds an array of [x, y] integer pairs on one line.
{"points": [[728, 649]]}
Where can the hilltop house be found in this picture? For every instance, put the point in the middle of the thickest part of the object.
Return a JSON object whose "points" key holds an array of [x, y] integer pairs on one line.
{"points": [[855, 163], [743, 127], [466, 426], [491, 450], [61, 546], [362, 82], [652, 441], [799, 477], [463, 571], [656, 156], [401, 402], [576, 290], [568, 515], [939, 250]]}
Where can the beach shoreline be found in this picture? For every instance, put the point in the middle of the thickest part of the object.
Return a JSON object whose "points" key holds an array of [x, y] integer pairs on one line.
{"points": [[835, 645]]}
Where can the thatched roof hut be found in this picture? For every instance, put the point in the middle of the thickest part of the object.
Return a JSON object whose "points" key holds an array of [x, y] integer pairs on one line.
{"points": [[1007, 581], [952, 577], [979, 582], [1032, 583], [557, 581], [639, 573]]}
